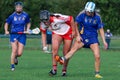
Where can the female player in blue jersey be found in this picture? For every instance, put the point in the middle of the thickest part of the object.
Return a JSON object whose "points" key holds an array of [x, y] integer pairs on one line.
{"points": [[90, 23], [19, 21]]}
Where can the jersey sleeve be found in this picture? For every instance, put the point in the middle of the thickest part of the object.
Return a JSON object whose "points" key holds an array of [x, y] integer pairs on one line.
{"points": [[69, 20], [27, 19], [100, 24], [42, 27], [9, 19], [79, 19]]}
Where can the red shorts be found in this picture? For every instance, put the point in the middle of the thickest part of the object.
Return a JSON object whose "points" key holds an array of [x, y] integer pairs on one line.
{"points": [[67, 36]]}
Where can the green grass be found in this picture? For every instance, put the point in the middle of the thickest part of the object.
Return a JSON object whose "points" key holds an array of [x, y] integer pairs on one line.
{"points": [[35, 65]]}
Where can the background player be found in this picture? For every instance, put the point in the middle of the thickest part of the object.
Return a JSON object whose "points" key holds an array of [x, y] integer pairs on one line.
{"points": [[19, 21], [108, 36]]}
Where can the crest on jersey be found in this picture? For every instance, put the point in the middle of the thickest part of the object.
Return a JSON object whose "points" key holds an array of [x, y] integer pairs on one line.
{"points": [[90, 20], [23, 18], [19, 18], [95, 22], [86, 19], [15, 19], [86, 40]]}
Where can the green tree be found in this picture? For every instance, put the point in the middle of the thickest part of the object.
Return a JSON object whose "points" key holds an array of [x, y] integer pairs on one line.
{"points": [[109, 10]]}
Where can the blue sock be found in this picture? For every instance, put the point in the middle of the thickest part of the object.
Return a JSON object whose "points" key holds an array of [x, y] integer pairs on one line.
{"points": [[12, 66]]}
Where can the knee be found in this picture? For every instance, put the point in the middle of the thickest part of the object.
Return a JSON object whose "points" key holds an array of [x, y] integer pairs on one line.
{"points": [[14, 50], [97, 58], [55, 50], [19, 54]]}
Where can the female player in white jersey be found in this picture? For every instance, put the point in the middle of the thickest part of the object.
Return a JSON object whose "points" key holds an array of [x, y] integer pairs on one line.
{"points": [[63, 30]]}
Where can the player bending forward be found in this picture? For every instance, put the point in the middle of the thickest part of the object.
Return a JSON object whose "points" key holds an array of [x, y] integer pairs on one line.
{"points": [[62, 27]]}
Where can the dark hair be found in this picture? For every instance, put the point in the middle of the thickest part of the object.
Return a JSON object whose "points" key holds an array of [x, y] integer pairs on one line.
{"points": [[18, 3]]}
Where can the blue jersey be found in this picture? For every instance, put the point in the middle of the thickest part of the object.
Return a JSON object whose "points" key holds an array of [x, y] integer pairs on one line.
{"points": [[18, 22], [89, 24], [108, 35]]}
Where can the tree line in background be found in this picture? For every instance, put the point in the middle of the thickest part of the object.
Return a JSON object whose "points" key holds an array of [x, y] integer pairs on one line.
{"points": [[109, 10]]}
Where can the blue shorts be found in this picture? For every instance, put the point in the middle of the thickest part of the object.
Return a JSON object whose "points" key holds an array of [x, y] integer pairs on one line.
{"points": [[19, 37], [89, 40], [49, 38]]}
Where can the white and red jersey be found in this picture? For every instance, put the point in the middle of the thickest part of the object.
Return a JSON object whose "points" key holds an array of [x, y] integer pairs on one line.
{"points": [[58, 25]]}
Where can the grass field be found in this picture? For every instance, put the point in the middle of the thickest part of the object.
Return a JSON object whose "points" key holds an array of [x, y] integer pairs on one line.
{"points": [[35, 65]]}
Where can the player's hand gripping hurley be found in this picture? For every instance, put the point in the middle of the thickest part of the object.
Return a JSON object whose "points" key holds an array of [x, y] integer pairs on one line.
{"points": [[33, 31]]}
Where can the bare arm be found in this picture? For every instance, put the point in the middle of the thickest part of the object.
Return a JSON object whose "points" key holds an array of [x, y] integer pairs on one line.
{"points": [[102, 34], [44, 39], [78, 37], [28, 26], [73, 27], [77, 31], [6, 28]]}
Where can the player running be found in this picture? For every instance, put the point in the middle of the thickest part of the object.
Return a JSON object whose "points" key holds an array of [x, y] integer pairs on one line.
{"points": [[63, 30], [90, 23], [19, 21]]}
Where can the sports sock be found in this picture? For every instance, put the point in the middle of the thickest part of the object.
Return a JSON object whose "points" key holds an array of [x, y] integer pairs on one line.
{"points": [[63, 58], [55, 67], [12, 66], [97, 72], [64, 70]]}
